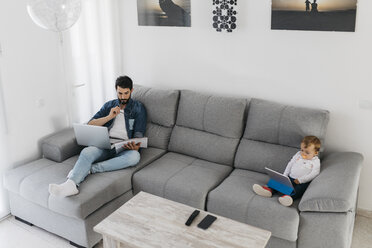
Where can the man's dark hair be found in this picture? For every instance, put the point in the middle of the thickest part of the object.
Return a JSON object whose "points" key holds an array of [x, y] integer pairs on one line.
{"points": [[124, 82]]}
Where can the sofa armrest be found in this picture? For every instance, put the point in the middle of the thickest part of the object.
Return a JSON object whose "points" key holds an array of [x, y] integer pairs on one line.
{"points": [[60, 145], [335, 188]]}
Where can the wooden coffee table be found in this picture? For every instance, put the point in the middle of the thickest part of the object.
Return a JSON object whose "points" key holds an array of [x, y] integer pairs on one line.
{"points": [[150, 221]]}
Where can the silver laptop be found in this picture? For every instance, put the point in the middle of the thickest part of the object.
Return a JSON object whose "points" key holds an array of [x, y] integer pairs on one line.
{"points": [[89, 135], [279, 177]]}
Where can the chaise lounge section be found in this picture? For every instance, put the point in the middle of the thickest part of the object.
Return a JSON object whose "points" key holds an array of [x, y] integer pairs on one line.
{"points": [[74, 217]]}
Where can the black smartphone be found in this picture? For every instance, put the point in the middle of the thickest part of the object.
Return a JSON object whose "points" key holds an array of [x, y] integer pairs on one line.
{"points": [[207, 221]]}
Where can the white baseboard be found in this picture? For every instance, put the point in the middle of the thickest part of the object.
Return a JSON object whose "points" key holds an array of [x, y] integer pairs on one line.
{"points": [[364, 212], [5, 217]]}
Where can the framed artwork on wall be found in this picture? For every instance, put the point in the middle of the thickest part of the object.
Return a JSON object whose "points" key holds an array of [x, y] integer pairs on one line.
{"points": [[320, 15], [224, 15], [175, 13]]}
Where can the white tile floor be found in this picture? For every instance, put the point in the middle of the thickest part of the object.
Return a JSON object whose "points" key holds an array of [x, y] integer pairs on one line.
{"points": [[362, 236], [14, 234]]}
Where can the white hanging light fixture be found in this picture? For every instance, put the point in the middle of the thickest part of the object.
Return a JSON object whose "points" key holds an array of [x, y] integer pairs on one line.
{"points": [[54, 15]]}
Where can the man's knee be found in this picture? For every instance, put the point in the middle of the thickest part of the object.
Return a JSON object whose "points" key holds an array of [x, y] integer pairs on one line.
{"points": [[134, 157], [89, 151]]}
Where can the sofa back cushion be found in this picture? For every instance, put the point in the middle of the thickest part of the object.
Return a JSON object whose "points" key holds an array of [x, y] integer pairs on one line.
{"points": [[161, 107], [274, 132], [208, 127]]}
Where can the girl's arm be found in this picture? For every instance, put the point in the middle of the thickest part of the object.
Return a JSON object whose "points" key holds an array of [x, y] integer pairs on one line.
{"points": [[290, 164], [314, 172]]}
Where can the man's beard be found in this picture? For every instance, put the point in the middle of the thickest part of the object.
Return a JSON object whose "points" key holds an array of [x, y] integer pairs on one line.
{"points": [[123, 101]]}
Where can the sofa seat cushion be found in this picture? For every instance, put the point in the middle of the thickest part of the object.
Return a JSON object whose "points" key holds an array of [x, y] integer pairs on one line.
{"points": [[180, 178], [31, 181], [235, 199], [13, 178]]}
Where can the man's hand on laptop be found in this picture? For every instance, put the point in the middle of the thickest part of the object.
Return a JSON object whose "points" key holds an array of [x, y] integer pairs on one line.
{"points": [[114, 112], [132, 146], [296, 181]]}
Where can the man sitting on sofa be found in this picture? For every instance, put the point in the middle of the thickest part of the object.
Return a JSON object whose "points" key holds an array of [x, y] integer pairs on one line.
{"points": [[125, 118]]}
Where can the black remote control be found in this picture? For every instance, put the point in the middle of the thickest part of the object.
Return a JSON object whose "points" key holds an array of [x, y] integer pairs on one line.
{"points": [[207, 221], [192, 217]]}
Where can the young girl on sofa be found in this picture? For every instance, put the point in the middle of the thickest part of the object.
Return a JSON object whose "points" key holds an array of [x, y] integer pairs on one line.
{"points": [[303, 167]]}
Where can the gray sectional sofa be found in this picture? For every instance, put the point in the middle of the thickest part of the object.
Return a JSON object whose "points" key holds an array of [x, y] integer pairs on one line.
{"points": [[205, 151]]}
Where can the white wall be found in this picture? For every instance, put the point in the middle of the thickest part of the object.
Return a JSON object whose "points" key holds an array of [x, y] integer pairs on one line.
{"points": [[4, 164], [328, 70], [33, 88]]}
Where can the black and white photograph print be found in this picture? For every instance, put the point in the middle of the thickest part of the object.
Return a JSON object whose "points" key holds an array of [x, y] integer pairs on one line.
{"points": [[164, 13], [320, 15]]}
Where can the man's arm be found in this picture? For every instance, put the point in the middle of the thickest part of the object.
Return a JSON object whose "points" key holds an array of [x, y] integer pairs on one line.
{"points": [[140, 122], [99, 122], [139, 128], [103, 120]]}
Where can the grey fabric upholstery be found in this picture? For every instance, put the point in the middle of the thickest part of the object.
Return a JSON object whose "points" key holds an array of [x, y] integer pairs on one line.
{"points": [[210, 165], [180, 178], [71, 161], [223, 116], [332, 230], [13, 178], [274, 132], [31, 182], [161, 107], [158, 136], [280, 243], [79, 231], [148, 155], [60, 146], [211, 123], [235, 199], [335, 189], [96, 190], [256, 155], [284, 125], [203, 145]]}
